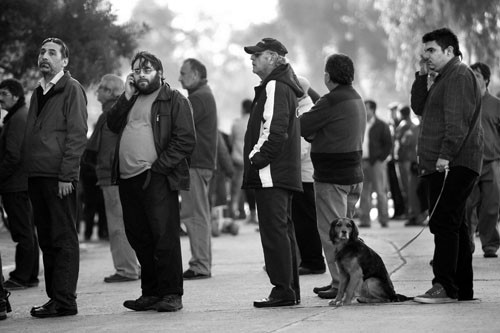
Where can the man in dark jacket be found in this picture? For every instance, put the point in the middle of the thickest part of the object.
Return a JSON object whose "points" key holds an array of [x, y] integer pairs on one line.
{"points": [[195, 211], [483, 203], [56, 134], [335, 127], [377, 147], [272, 166], [450, 150], [100, 151], [156, 137], [14, 187]]}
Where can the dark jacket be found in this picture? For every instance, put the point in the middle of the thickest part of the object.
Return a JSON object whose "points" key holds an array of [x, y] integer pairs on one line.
{"points": [[205, 121], [272, 139], [13, 177], [451, 124], [490, 120], [56, 134], [173, 132], [100, 150], [335, 126], [379, 141]]}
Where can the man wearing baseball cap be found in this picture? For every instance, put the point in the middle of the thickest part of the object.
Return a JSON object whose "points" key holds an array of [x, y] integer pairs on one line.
{"points": [[272, 166]]}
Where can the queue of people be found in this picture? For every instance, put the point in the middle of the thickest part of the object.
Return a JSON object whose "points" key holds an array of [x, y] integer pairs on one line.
{"points": [[305, 163]]}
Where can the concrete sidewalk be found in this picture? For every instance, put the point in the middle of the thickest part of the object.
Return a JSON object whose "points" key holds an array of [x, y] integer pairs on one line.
{"points": [[224, 302]]}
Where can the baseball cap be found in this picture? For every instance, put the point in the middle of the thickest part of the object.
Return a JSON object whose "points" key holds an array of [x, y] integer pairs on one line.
{"points": [[270, 44]]}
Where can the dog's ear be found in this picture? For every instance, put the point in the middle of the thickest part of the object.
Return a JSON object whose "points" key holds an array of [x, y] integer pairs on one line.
{"points": [[333, 234], [355, 230]]}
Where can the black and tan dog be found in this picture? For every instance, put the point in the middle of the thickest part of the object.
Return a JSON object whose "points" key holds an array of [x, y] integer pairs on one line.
{"points": [[361, 269]]}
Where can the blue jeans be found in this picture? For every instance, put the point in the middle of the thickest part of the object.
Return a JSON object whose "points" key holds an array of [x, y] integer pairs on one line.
{"points": [[195, 214], [151, 218], [452, 262], [55, 220]]}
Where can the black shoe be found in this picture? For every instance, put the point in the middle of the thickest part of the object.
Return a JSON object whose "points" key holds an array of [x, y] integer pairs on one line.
{"points": [[328, 294], [192, 275], [307, 271], [117, 278], [12, 284], [4, 305], [169, 303], [273, 302], [316, 290], [143, 303], [490, 255], [50, 309]]}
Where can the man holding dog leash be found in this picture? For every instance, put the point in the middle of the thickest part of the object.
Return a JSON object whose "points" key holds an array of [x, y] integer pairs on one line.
{"points": [[450, 148]]}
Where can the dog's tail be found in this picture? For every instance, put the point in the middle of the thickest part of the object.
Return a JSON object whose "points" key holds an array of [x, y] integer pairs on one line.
{"points": [[401, 298]]}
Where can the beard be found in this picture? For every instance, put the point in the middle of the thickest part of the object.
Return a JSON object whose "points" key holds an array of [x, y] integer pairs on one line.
{"points": [[149, 87]]}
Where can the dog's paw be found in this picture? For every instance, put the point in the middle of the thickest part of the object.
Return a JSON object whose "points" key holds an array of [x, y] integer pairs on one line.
{"points": [[335, 303]]}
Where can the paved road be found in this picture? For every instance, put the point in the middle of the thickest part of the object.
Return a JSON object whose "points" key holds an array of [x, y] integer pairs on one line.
{"points": [[224, 302]]}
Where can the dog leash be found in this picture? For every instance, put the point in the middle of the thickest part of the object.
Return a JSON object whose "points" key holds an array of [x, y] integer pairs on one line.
{"points": [[446, 170]]}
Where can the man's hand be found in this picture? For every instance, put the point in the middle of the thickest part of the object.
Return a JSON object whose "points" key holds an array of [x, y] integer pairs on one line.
{"points": [[65, 188], [424, 70], [442, 165], [130, 89]]}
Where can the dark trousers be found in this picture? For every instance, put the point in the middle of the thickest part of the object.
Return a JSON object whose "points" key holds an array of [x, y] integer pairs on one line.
{"points": [[306, 228], [152, 225], [55, 220], [93, 203], [274, 207], [452, 265], [394, 187], [18, 208], [250, 197]]}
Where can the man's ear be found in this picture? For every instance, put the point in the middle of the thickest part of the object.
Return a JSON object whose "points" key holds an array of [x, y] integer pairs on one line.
{"points": [[65, 62]]}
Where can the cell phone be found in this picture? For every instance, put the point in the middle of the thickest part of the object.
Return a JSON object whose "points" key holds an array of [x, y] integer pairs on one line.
{"points": [[132, 83]]}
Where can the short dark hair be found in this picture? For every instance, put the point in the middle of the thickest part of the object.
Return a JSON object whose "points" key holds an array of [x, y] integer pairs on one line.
{"points": [[15, 88], [340, 68], [405, 111], [247, 106], [371, 104], [484, 69], [197, 66], [64, 47], [444, 37], [147, 57]]}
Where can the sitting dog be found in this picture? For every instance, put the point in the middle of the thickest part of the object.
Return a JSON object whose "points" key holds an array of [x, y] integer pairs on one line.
{"points": [[361, 269]]}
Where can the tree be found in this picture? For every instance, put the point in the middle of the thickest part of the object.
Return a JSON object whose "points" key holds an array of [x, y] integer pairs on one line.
{"points": [[476, 23], [88, 27]]}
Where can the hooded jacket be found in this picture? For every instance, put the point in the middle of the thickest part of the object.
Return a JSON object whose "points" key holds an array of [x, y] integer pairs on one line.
{"points": [[272, 139]]}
